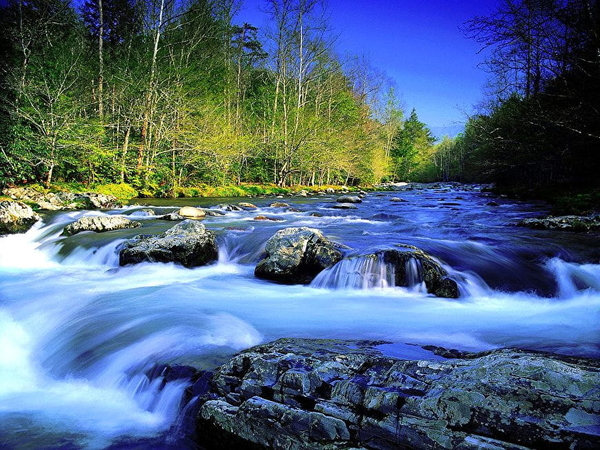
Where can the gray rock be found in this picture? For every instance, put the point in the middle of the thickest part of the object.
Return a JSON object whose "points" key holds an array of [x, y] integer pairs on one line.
{"points": [[296, 255], [99, 224], [55, 201], [187, 243], [428, 270], [16, 217], [330, 394], [228, 207], [174, 216], [349, 199], [570, 223]]}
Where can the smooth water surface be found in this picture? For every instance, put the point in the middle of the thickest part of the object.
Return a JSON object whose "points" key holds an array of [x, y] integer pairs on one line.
{"points": [[78, 333]]}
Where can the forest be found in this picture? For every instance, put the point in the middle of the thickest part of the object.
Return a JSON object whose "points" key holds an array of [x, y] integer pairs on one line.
{"points": [[167, 95]]}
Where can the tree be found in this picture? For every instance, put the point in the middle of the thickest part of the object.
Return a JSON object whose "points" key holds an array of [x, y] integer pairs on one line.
{"points": [[412, 146], [544, 128]]}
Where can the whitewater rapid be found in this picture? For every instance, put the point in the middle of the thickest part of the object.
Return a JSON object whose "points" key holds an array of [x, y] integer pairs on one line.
{"points": [[79, 334]]}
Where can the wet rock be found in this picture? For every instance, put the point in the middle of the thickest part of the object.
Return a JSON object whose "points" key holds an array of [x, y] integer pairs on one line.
{"points": [[412, 265], [144, 212], [570, 223], [331, 394], [349, 199], [213, 213], [302, 193], [55, 201], [344, 206], [191, 212], [267, 218], [173, 216], [398, 200], [16, 217], [188, 243], [297, 255], [330, 191], [228, 207], [492, 203], [247, 205], [279, 205], [100, 224]]}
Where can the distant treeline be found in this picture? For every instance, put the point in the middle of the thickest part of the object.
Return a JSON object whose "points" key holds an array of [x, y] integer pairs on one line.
{"points": [[540, 125], [164, 94]]}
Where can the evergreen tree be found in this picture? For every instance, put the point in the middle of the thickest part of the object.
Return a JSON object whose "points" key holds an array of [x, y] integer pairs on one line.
{"points": [[412, 147]]}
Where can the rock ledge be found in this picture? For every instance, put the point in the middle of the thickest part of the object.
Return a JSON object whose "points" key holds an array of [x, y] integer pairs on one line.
{"points": [[305, 394]]}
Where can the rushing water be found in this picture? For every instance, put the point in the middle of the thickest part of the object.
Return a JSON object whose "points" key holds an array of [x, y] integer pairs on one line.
{"points": [[79, 334]]}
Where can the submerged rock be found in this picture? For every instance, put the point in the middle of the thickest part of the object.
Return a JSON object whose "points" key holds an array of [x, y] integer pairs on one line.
{"points": [[330, 394], [188, 243], [268, 218], [16, 217], [344, 206], [100, 224], [571, 223], [55, 201], [297, 255]]}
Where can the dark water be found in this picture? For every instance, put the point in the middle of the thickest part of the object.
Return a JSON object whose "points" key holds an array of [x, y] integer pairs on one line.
{"points": [[78, 333]]}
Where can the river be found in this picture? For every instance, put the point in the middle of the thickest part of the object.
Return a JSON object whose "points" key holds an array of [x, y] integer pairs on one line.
{"points": [[78, 333]]}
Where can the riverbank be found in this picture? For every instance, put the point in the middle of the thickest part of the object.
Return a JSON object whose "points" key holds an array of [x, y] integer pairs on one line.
{"points": [[125, 192]]}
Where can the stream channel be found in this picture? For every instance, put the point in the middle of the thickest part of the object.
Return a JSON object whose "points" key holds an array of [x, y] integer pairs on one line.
{"points": [[78, 333]]}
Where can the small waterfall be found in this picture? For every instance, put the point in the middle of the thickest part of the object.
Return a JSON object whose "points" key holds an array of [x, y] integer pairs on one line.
{"points": [[361, 272], [414, 275], [572, 278]]}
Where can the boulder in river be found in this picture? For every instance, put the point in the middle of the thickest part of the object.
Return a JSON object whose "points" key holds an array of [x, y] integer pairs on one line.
{"points": [[188, 243], [349, 199], [297, 255], [412, 265], [570, 223], [404, 266], [16, 217], [100, 224], [328, 394], [191, 212]]}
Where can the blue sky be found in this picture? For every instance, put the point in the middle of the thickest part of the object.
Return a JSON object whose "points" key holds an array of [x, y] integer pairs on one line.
{"points": [[417, 43]]}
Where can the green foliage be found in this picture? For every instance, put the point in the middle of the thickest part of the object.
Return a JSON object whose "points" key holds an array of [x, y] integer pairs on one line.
{"points": [[189, 106], [122, 191], [412, 150]]}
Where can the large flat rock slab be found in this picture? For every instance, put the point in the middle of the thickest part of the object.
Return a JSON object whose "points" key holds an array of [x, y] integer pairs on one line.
{"points": [[330, 394]]}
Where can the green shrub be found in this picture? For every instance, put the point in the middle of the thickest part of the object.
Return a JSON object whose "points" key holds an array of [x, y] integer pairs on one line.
{"points": [[122, 191]]}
